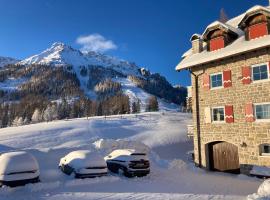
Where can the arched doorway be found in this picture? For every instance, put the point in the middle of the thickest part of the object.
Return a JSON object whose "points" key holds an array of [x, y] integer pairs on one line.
{"points": [[223, 156]]}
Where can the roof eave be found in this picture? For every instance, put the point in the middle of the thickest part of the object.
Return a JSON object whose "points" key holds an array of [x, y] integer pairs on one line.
{"points": [[178, 68]]}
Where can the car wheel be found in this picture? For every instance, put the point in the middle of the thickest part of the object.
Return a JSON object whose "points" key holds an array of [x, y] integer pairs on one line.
{"points": [[122, 171]]}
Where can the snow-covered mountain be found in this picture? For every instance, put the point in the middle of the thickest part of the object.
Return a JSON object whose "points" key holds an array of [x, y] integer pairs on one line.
{"points": [[6, 60], [62, 70], [60, 54]]}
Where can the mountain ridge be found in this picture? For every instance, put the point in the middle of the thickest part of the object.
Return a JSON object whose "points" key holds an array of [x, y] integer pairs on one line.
{"points": [[90, 69]]}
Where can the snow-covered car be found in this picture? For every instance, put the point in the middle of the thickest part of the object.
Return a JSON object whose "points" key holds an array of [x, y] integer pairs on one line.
{"points": [[18, 168], [83, 164], [128, 162]]}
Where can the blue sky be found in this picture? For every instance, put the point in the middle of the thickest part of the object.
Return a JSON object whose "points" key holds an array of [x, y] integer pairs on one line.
{"points": [[152, 33]]}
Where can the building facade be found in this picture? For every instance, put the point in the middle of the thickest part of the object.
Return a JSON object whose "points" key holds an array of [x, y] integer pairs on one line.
{"points": [[230, 68]]}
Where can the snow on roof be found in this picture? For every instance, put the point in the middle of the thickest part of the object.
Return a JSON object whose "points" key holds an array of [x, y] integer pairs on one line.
{"points": [[237, 47], [256, 8], [236, 20], [227, 27], [240, 45], [195, 36]]}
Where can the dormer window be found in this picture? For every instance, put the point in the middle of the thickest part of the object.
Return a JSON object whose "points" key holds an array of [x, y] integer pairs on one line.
{"points": [[218, 35], [256, 23], [257, 26], [217, 43]]}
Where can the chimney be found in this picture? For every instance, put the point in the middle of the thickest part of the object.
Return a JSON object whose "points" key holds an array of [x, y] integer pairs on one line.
{"points": [[197, 43]]}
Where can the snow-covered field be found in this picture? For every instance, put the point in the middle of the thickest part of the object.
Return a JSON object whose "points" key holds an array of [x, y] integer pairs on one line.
{"points": [[172, 176]]}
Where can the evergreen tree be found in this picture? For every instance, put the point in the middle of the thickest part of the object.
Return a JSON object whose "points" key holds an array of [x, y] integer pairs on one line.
{"points": [[136, 108], [152, 105]]}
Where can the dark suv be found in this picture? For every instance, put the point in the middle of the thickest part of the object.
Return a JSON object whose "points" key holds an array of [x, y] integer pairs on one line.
{"points": [[128, 162]]}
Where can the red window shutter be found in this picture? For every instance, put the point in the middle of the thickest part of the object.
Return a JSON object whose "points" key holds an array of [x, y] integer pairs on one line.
{"points": [[206, 81], [249, 112], [227, 78], [229, 118], [217, 43], [257, 30], [246, 75]]}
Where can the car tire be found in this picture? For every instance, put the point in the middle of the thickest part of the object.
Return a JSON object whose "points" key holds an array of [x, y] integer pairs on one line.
{"points": [[124, 172], [121, 171]]}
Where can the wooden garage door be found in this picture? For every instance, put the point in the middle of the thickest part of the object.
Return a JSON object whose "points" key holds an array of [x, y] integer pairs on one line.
{"points": [[225, 157]]}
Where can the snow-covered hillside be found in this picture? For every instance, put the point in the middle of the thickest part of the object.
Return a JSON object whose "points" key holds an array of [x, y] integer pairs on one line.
{"points": [[173, 175], [6, 60], [60, 54]]}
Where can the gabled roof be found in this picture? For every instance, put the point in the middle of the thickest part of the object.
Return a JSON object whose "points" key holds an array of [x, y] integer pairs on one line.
{"points": [[219, 25], [253, 11], [240, 45]]}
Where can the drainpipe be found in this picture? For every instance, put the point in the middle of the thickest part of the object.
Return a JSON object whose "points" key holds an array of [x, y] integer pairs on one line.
{"points": [[196, 77]]}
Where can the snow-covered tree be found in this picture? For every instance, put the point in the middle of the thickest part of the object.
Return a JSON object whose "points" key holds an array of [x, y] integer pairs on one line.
{"points": [[26, 121], [15, 121], [47, 115], [50, 113], [37, 116], [18, 121]]}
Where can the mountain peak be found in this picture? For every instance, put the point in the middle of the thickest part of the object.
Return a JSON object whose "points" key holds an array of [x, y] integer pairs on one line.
{"points": [[58, 44], [61, 54]]}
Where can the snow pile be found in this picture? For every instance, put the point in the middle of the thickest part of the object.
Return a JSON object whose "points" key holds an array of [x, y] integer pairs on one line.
{"points": [[109, 145], [263, 192]]}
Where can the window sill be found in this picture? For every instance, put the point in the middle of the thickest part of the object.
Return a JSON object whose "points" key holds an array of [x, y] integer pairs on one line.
{"points": [[263, 155], [218, 122], [260, 81], [217, 88], [262, 120]]}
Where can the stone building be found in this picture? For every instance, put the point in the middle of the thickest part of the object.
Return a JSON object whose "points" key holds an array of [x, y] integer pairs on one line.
{"points": [[230, 68]]}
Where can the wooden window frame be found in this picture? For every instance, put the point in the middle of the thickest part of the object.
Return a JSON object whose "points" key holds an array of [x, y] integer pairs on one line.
{"points": [[258, 65], [212, 115], [255, 113], [262, 153], [222, 79]]}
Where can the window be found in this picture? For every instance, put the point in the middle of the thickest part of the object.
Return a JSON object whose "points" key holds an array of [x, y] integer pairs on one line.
{"points": [[216, 43], [257, 30], [265, 149], [260, 72], [218, 114], [262, 111], [216, 80]]}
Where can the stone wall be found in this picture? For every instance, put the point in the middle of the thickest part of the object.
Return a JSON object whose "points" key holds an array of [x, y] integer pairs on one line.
{"points": [[251, 133]]}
